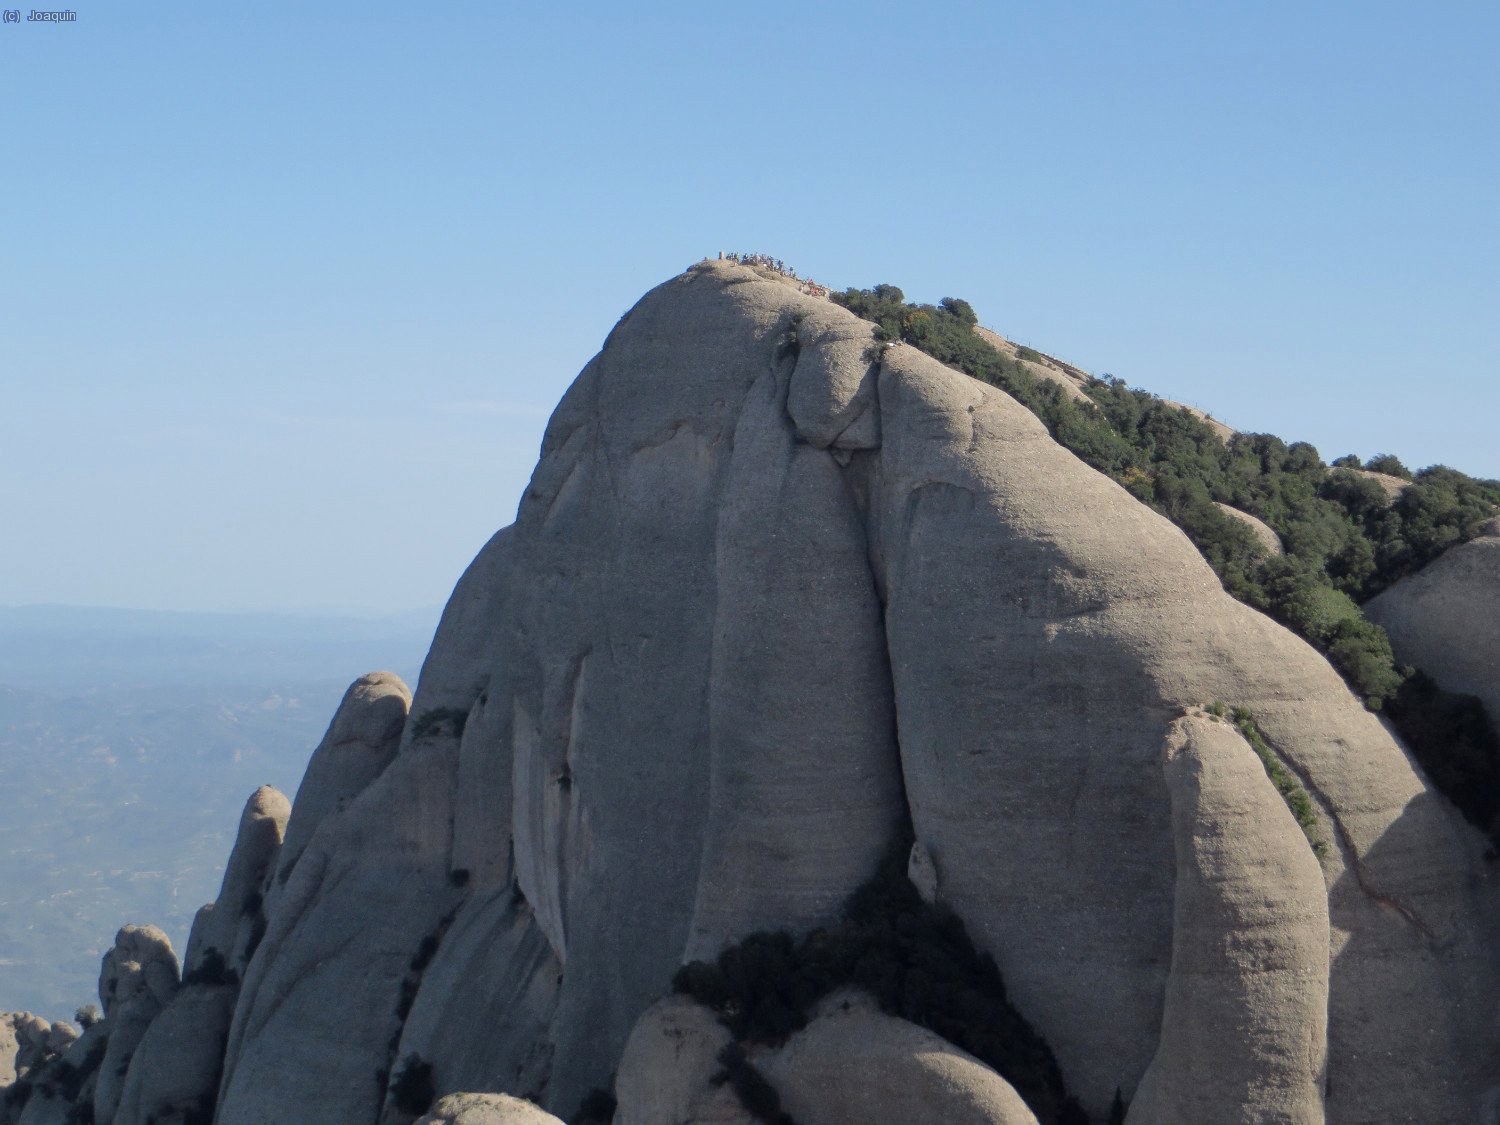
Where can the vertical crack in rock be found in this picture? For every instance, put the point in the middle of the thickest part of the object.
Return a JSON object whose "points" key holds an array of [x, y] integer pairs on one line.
{"points": [[1347, 851], [804, 789]]}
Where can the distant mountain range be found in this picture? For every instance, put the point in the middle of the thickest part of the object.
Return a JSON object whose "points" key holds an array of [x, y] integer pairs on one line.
{"points": [[128, 742]]}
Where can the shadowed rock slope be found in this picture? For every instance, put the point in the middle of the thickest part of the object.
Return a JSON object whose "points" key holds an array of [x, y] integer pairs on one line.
{"points": [[772, 593]]}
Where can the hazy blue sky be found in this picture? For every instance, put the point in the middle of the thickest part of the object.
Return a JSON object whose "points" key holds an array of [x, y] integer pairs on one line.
{"points": [[287, 291]]}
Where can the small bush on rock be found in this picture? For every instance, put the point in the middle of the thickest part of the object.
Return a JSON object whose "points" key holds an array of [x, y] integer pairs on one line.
{"points": [[597, 1108], [431, 723], [412, 1090]]}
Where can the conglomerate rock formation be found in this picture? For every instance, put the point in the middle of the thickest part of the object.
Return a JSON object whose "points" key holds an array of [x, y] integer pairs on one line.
{"points": [[773, 593], [1446, 618]]}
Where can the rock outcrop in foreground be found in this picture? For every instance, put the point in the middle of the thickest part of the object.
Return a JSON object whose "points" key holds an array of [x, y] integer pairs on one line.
{"points": [[772, 594]]}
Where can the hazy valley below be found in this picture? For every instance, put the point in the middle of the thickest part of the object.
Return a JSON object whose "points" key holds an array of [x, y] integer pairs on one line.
{"points": [[128, 743]]}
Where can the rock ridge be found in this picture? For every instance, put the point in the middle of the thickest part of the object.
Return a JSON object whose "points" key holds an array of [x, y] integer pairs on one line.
{"points": [[773, 591]]}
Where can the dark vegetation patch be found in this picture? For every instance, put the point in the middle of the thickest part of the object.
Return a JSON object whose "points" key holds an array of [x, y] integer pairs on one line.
{"points": [[1345, 539], [597, 1108], [211, 970], [257, 935], [412, 1090], [1286, 782], [750, 1086], [406, 998], [916, 959], [434, 722], [1454, 741], [64, 1080], [200, 1112]]}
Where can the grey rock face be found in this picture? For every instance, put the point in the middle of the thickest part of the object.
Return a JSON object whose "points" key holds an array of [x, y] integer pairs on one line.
{"points": [[850, 1063], [174, 1072], [10, 1046], [137, 979], [1445, 619], [1021, 582], [486, 1109], [1024, 630], [854, 1063], [765, 597], [666, 1073], [28, 1041], [232, 924], [360, 743], [60, 1077], [325, 995], [1244, 1030]]}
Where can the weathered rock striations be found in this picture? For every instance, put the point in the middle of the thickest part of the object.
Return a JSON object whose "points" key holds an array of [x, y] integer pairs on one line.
{"points": [[1245, 1020], [771, 592], [336, 964], [1445, 619]]}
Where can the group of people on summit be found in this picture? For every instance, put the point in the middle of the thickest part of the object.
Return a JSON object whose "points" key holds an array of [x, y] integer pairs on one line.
{"points": [[807, 285]]}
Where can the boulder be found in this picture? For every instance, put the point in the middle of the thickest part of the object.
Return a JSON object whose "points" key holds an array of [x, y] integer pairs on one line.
{"points": [[1066, 616], [10, 1047], [140, 964], [1445, 619], [850, 1063], [854, 1063], [665, 1075], [486, 1109], [60, 1086]]}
